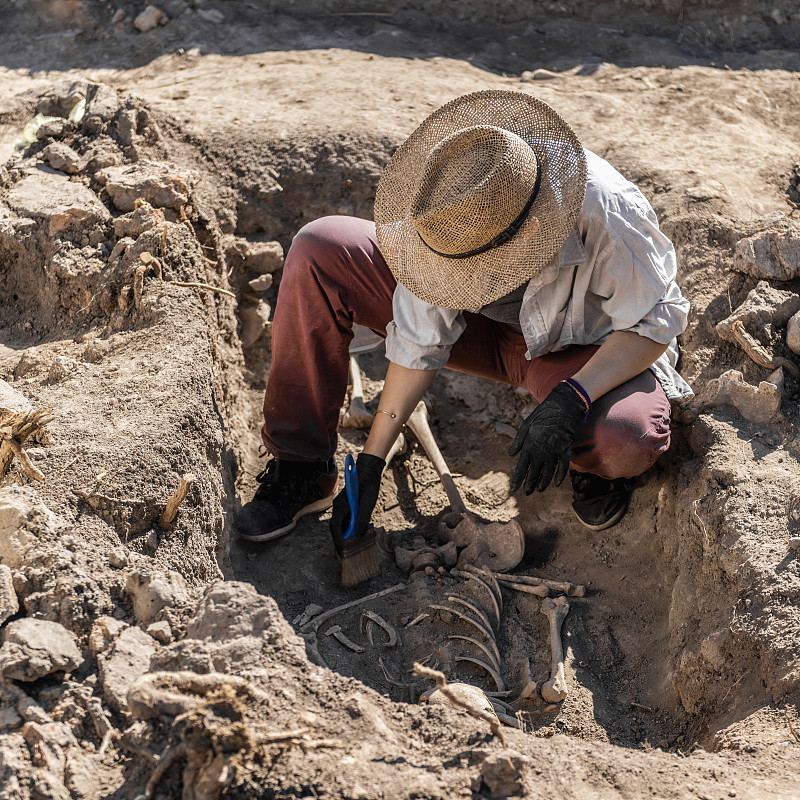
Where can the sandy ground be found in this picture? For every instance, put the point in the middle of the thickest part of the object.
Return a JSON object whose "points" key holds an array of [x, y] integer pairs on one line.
{"points": [[681, 658]]}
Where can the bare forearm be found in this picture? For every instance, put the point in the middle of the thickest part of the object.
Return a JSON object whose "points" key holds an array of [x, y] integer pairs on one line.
{"points": [[623, 356], [402, 390]]}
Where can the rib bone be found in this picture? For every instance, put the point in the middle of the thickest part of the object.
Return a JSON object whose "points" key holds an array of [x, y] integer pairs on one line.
{"points": [[461, 615], [356, 415], [481, 582], [479, 645], [371, 616], [483, 665], [555, 609]]}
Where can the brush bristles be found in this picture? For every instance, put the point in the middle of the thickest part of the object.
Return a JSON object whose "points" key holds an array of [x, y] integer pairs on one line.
{"points": [[360, 561]]}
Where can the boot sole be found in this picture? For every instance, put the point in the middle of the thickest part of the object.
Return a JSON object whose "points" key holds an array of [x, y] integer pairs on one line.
{"points": [[312, 508]]}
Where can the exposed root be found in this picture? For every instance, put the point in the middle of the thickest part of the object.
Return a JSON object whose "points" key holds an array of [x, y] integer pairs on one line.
{"points": [[758, 353], [15, 429], [197, 285], [177, 498], [441, 685]]}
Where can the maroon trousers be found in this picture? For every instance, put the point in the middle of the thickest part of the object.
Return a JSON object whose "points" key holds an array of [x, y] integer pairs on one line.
{"points": [[335, 275]]}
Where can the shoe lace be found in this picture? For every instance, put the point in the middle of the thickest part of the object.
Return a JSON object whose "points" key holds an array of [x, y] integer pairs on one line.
{"points": [[283, 486]]}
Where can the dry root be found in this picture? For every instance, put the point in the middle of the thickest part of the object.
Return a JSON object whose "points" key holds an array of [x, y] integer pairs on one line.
{"points": [[759, 353], [15, 429], [177, 498], [441, 685]]}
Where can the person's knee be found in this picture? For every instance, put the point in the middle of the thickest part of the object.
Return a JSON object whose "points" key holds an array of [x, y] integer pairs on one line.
{"points": [[626, 450], [316, 242]]}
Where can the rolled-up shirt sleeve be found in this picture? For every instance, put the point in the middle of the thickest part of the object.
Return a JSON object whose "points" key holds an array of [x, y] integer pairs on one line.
{"points": [[421, 335], [636, 279]]}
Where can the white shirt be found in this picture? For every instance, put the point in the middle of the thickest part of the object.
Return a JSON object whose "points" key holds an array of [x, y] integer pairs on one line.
{"points": [[615, 272]]}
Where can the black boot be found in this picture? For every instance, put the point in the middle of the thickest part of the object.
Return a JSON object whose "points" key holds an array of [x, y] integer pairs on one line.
{"points": [[288, 491], [599, 503]]}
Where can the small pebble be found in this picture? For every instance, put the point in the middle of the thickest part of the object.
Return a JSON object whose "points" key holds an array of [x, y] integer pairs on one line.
{"points": [[794, 542], [118, 557], [152, 541]]}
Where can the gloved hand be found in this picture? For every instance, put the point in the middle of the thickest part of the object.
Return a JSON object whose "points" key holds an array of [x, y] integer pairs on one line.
{"points": [[369, 469], [545, 439]]}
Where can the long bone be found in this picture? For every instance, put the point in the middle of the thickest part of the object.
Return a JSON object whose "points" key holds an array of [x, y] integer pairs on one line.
{"points": [[555, 609], [317, 621], [356, 415], [565, 587]]}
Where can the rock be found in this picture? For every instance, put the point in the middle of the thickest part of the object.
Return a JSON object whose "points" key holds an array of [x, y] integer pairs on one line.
{"points": [[80, 776], [23, 521], [764, 304], [151, 542], [160, 631], [128, 659], [793, 333], [33, 648], [12, 400], [53, 129], [705, 191], [153, 591], [119, 15], [261, 283], [774, 255], [501, 774], [126, 126], [119, 557], [504, 429], [104, 631], [61, 369], [211, 15], [102, 102], [263, 257], [538, 75], [255, 322], [756, 403], [61, 98], [62, 157], [150, 19], [9, 603], [162, 185], [58, 201]]}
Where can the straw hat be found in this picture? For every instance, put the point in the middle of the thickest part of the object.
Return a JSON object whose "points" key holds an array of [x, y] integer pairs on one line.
{"points": [[479, 198]]}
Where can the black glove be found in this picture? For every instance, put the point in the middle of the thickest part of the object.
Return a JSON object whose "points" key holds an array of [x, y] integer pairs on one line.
{"points": [[369, 469], [545, 439]]}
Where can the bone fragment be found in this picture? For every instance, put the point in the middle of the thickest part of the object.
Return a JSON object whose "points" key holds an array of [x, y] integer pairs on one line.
{"points": [[458, 702], [480, 646], [356, 415], [371, 616], [524, 683], [398, 448], [508, 719], [483, 665], [315, 623], [539, 591], [311, 611], [481, 582], [420, 559], [417, 619], [486, 633], [758, 353], [180, 495], [338, 634], [391, 681], [555, 689], [569, 589]]}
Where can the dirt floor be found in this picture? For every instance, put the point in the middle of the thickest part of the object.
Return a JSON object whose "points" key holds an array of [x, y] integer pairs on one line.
{"points": [[141, 249]]}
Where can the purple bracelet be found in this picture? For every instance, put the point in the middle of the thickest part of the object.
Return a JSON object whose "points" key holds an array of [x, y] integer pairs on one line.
{"points": [[582, 393]]}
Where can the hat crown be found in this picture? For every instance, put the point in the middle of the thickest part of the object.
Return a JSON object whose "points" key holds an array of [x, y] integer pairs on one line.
{"points": [[474, 184]]}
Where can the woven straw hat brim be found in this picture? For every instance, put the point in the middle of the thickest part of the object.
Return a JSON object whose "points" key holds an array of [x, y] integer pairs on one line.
{"points": [[475, 281]]}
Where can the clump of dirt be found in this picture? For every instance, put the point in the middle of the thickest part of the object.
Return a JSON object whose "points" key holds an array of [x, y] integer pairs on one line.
{"points": [[125, 231]]}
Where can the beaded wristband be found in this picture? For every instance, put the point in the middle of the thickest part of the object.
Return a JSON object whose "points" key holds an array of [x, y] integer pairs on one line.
{"points": [[582, 393]]}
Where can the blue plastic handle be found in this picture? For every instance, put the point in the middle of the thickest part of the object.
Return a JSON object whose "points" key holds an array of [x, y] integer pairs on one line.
{"points": [[351, 489]]}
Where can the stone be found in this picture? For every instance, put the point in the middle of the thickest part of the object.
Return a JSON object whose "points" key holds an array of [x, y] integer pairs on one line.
{"points": [[128, 659], [23, 521], [61, 368], [774, 255], [119, 557], [755, 403], [62, 157], [104, 631], [160, 631], [54, 129], [255, 322], [9, 603], [33, 648], [263, 257], [151, 592], [161, 184], [61, 98], [261, 283], [501, 773], [80, 776], [102, 102], [150, 19], [61, 203], [126, 126], [212, 15], [12, 400], [793, 333]]}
